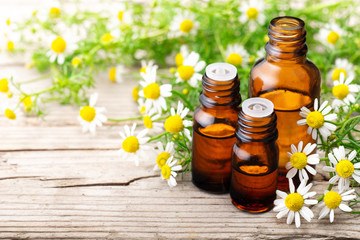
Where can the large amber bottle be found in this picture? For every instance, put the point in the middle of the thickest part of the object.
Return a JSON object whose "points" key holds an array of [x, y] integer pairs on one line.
{"points": [[288, 79], [214, 128]]}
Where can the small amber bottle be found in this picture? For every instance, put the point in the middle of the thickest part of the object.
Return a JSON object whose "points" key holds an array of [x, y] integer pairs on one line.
{"points": [[288, 79], [214, 128], [255, 157]]}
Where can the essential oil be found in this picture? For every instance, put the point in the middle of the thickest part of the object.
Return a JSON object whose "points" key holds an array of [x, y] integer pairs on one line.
{"points": [[288, 79], [214, 128], [255, 157]]}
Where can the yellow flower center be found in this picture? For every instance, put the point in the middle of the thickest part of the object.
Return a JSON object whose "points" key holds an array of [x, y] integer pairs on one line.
{"points": [[340, 91], [332, 199], [315, 119], [344, 168], [185, 91], [252, 13], [112, 74], [75, 61], [54, 12], [294, 202], [298, 160], [135, 93], [186, 26], [106, 38], [10, 45], [186, 72], [143, 69], [162, 158], [10, 114], [87, 113], [148, 123], [152, 91], [166, 171], [34, 13], [27, 102], [58, 45], [234, 59], [130, 144], [8, 22], [179, 59], [4, 85], [142, 110], [174, 124], [333, 37], [120, 15], [336, 73]]}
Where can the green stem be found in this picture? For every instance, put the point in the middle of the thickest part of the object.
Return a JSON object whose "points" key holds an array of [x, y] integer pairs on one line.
{"points": [[157, 137], [124, 119], [43, 91]]}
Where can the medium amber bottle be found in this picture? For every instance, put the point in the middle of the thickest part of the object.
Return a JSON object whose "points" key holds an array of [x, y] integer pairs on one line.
{"points": [[288, 79], [214, 128], [255, 157]]}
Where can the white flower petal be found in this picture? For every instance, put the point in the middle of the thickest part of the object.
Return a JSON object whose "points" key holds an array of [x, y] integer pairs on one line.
{"points": [[282, 213], [291, 173], [281, 194], [334, 179], [331, 215], [345, 207], [325, 211], [290, 217], [311, 170], [297, 219], [352, 155]]}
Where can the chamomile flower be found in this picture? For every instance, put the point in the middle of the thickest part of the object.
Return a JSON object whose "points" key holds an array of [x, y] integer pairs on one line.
{"points": [[12, 111], [168, 171], [180, 56], [176, 124], [252, 12], [184, 24], [149, 119], [189, 70], [300, 160], [330, 34], [135, 93], [164, 154], [145, 65], [116, 73], [59, 48], [141, 106], [292, 204], [91, 116], [343, 167], [334, 200], [110, 36], [6, 87], [153, 93], [343, 90], [342, 66], [48, 10], [133, 147], [236, 55], [120, 15], [317, 120]]}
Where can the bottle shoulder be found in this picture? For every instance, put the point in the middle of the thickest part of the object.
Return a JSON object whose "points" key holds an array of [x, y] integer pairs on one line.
{"points": [[208, 116]]}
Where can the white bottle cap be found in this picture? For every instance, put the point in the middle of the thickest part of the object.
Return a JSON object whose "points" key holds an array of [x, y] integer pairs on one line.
{"points": [[257, 107], [221, 71]]}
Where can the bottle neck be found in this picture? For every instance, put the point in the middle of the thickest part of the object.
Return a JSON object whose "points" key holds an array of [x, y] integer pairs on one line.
{"points": [[220, 94], [251, 129], [287, 37]]}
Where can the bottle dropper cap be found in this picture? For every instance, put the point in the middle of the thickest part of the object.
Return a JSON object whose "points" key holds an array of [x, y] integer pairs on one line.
{"points": [[221, 71], [257, 107]]}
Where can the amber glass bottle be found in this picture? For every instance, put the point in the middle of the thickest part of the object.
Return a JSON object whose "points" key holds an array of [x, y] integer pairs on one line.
{"points": [[255, 157], [289, 80], [214, 128]]}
